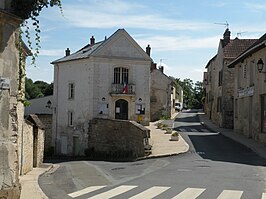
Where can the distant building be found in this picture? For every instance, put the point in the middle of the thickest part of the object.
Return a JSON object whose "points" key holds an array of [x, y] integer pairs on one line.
{"points": [[163, 94], [107, 79]]}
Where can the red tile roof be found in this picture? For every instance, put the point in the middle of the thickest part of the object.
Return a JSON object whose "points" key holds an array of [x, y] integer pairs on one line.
{"points": [[236, 46]]}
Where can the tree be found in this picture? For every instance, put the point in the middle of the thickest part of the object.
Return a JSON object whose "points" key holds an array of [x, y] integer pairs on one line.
{"points": [[37, 89], [193, 93]]}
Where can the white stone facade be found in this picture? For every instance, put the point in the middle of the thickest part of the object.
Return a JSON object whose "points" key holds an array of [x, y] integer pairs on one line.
{"points": [[84, 89]]}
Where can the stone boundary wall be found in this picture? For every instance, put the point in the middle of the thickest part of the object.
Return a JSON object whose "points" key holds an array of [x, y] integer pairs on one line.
{"points": [[119, 139]]}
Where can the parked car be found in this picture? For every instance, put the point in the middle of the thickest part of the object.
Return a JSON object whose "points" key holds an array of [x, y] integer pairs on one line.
{"points": [[178, 106]]}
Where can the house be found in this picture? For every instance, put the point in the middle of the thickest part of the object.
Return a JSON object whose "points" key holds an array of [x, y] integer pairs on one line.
{"points": [[107, 80], [219, 85], [250, 91], [43, 108], [163, 94]]}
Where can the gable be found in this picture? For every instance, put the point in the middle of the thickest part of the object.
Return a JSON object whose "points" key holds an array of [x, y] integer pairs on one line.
{"points": [[121, 45]]}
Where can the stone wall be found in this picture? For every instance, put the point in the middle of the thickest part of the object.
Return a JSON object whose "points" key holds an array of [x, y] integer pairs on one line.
{"points": [[27, 148], [116, 139], [47, 119], [9, 164]]}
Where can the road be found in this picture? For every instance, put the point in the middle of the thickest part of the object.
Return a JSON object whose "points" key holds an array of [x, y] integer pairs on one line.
{"points": [[214, 167]]}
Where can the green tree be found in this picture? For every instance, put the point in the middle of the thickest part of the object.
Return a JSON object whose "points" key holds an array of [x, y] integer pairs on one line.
{"points": [[37, 89]]}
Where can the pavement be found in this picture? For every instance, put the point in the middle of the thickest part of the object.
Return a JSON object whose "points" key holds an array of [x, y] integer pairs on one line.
{"points": [[162, 146]]}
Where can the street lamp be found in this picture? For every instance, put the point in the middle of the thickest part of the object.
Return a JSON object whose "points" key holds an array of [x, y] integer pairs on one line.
{"points": [[260, 66]]}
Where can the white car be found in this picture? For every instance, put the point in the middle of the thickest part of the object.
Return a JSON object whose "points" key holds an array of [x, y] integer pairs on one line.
{"points": [[178, 106]]}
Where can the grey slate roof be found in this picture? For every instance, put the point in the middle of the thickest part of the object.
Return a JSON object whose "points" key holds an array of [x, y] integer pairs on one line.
{"points": [[84, 52]]}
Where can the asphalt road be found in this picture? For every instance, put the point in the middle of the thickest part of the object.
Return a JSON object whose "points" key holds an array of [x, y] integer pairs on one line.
{"points": [[214, 167]]}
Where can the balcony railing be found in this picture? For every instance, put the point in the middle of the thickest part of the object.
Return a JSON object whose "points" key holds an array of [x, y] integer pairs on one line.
{"points": [[128, 89]]}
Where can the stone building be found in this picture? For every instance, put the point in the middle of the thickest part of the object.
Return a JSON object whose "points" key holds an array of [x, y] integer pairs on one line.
{"points": [[11, 110], [106, 79], [219, 85], [250, 91], [163, 94]]}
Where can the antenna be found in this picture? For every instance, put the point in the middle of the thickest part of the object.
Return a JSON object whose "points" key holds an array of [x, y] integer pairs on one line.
{"points": [[239, 34], [226, 24]]}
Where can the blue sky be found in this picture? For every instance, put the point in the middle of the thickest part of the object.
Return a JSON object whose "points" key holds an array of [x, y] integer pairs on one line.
{"points": [[183, 34]]}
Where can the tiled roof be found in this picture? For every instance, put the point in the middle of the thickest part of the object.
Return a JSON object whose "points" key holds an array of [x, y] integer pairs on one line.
{"points": [[259, 44], [236, 46]]}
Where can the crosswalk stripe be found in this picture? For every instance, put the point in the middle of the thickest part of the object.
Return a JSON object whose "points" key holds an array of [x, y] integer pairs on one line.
{"points": [[229, 194], [113, 192], [150, 193], [204, 130], [190, 193], [182, 130], [263, 196], [194, 130], [85, 191]]}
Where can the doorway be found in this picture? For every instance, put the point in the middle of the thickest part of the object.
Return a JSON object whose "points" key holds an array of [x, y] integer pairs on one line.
{"points": [[121, 109]]}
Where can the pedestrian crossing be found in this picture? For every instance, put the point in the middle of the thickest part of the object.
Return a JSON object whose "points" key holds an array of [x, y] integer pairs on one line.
{"points": [[100, 192], [192, 130]]}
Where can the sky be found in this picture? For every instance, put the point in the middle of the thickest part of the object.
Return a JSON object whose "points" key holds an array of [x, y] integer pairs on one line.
{"points": [[183, 34]]}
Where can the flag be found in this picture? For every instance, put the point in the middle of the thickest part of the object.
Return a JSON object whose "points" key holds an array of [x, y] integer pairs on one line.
{"points": [[125, 89]]}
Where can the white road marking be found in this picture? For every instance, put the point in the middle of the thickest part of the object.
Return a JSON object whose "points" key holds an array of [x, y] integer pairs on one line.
{"points": [[85, 191], [182, 130], [194, 130], [205, 130], [150, 193], [190, 193], [113, 192], [229, 194]]}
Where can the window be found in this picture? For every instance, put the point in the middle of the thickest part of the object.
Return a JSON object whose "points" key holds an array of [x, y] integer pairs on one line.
{"points": [[220, 78], [71, 90], [70, 118], [219, 104], [120, 75], [236, 108], [245, 71], [251, 69]]}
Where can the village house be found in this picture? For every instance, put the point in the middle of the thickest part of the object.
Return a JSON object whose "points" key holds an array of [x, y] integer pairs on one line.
{"points": [[109, 79], [219, 80], [163, 94], [250, 91]]}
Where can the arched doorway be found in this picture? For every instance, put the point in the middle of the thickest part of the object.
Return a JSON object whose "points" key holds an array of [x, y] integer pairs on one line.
{"points": [[121, 109]]}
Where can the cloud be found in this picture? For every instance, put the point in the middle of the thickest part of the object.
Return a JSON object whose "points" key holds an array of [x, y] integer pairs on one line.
{"points": [[169, 43], [52, 52], [117, 14], [256, 6]]}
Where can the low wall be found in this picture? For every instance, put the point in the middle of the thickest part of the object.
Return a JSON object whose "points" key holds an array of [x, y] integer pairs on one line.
{"points": [[116, 139]]}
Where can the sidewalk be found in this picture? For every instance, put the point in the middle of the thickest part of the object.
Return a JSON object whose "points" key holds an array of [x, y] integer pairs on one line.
{"points": [[29, 183], [161, 147], [255, 146]]}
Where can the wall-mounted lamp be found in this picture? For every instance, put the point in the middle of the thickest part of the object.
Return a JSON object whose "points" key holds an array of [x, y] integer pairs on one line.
{"points": [[260, 66], [103, 99], [140, 100], [49, 104]]}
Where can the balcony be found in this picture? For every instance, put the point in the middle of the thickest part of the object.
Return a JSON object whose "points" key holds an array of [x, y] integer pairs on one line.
{"points": [[120, 89]]}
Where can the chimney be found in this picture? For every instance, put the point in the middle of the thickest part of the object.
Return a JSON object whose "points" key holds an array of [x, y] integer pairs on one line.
{"points": [[226, 39], [148, 50], [67, 52], [153, 66], [161, 68], [92, 40]]}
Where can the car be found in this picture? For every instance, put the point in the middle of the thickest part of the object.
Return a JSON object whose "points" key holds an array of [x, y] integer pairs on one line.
{"points": [[178, 106]]}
